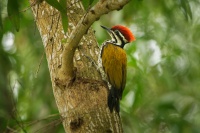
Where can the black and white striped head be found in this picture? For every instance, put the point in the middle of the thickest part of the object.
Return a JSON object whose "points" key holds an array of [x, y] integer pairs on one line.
{"points": [[120, 35]]}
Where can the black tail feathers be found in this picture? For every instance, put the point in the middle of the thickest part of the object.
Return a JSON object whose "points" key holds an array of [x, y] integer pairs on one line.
{"points": [[113, 100]]}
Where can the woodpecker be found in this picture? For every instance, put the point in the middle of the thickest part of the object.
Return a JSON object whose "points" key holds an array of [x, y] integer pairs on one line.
{"points": [[113, 59]]}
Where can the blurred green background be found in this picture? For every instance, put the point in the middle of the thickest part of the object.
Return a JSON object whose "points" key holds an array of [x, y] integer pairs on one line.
{"points": [[162, 93]]}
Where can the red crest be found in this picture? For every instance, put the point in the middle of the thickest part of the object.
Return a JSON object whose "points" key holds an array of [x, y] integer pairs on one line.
{"points": [[125, 31]]}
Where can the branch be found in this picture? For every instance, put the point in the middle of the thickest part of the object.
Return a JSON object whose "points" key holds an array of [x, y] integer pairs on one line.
{"points": [[66, 72]]}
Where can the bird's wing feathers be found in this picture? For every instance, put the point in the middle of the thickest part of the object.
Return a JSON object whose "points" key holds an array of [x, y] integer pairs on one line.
{"points": [[114, 64]]}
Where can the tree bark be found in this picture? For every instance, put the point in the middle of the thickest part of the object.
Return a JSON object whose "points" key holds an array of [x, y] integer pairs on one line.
{"points": [[79, 91]]}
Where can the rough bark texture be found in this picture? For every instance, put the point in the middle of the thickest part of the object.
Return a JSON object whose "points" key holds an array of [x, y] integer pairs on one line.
{"points": [[82, 102]]}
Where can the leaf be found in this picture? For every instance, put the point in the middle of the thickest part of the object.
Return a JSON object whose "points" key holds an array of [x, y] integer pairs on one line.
{"points": [[56, 5], [87, 3], [64, 15], [60, 6], [13, 13], [63, 3], [64, 22], [1, 23], [186, 7]]}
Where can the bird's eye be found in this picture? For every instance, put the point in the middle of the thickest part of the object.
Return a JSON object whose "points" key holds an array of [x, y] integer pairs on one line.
{"points": [[116, 31]]}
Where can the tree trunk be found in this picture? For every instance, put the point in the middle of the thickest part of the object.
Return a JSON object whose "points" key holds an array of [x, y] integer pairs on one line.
{"points": [[81, 96]]}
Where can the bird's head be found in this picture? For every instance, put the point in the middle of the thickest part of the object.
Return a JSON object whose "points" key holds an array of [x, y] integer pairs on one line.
{"points": [[120, 35]]}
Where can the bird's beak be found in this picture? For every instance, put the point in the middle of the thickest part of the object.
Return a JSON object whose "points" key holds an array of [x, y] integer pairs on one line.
{"points": [[108, 30]]}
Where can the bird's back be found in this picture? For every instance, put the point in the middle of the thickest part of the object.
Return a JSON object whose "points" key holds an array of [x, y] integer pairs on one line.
{"points": [[114, 64]]}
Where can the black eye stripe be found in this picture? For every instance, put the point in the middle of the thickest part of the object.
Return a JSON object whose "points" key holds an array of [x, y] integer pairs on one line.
{"points": [[113, 34], [120, 36]]}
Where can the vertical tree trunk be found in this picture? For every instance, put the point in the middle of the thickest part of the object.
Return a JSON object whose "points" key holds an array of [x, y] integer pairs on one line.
{"points": [[82, 101]]}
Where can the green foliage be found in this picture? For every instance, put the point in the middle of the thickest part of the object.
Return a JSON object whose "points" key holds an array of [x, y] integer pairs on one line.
{"points": [[87, 3], [64, 16], [13, 13], [187, 9], [60, 6], [1, 24], [26, 98], [56, 4]]}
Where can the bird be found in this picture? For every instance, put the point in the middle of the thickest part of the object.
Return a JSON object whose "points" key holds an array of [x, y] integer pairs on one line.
{"points": [[114, 63]]}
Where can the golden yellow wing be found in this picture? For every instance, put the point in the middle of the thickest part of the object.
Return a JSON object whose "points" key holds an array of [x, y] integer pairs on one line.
{"points": [[114, 65]]}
